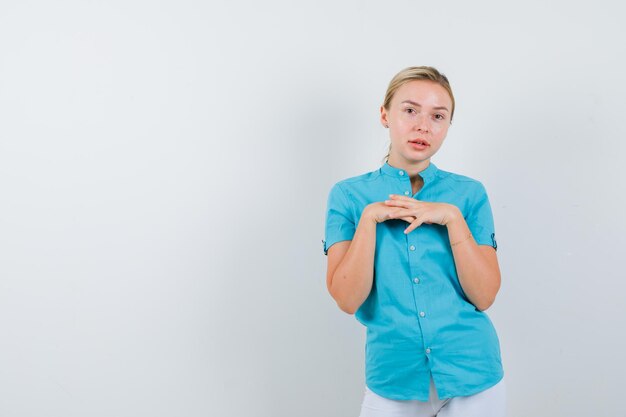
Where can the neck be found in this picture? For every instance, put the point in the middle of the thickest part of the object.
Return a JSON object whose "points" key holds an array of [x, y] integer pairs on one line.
{"points": [[411, 168]]}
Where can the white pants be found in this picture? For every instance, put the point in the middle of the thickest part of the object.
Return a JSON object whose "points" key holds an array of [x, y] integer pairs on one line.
{"points": [[488, 403]]}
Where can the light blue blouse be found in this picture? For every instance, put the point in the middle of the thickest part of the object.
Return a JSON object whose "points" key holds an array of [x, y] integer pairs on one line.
{"points": [[419, 321]]}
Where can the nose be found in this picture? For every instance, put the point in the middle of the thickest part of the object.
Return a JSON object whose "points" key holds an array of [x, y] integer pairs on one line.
{"points": [[422, 123]]}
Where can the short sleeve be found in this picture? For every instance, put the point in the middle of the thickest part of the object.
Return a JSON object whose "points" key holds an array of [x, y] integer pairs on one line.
{"points": [[480, 218], [340, 224]]}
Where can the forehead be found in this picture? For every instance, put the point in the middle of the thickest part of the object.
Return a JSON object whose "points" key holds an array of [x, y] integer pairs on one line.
{"points": [[424, 92]]}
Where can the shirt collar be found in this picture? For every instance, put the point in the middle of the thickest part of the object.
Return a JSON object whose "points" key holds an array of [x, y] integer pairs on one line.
{"points": [[426, 174]]}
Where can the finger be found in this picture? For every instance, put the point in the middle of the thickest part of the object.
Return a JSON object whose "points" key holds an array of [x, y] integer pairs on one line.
{"points": [[414, 225], [398, 203], [408, 219], [401, 197], [401, 212]]}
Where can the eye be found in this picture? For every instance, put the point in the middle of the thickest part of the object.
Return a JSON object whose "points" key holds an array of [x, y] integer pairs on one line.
{"points": [[410, 110], [439, 116]]}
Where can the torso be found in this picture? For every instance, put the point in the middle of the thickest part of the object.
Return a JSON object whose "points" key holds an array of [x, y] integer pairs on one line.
{"points": [[416, 184]]}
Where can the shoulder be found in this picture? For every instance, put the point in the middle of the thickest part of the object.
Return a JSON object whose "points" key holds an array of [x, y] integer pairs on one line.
{"points": [[461, 183], [366, 177], [357, 182]]}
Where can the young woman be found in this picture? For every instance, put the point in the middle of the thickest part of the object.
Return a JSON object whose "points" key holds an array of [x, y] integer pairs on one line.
{"points": [[412, 253]]}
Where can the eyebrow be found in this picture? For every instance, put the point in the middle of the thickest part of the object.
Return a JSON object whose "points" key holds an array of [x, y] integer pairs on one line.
{"points": [[419, 105]]}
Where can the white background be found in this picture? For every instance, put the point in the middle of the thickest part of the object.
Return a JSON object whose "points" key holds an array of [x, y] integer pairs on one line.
{"points": [[164, 169]]}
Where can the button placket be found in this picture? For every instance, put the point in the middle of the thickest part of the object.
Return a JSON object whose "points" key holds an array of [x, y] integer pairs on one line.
{"points": [[419, 293], [403, 174]]}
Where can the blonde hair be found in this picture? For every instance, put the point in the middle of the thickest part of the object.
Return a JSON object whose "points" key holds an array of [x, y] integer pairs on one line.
{"points": [[414, 74]]}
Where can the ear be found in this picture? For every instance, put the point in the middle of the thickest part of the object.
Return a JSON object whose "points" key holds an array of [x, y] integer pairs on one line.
{"points": [[383, 116]]}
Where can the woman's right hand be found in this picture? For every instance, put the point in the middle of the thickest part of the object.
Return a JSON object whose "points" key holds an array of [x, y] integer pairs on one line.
{"points": [[380, 212]]}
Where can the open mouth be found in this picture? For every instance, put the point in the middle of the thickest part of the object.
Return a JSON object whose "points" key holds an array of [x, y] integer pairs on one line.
{"points": [[419, 143]]}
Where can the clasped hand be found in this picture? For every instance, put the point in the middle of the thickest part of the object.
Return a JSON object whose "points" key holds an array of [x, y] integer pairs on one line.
{"points": [[412, 211]]}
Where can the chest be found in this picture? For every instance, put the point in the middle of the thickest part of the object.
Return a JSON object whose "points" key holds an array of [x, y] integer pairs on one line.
{"points": [[417, 184]]}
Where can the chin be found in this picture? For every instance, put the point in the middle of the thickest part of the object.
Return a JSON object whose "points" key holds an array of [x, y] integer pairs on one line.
{"points": [[416, 158]]}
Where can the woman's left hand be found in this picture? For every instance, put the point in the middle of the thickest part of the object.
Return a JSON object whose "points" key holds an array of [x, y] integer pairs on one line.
{"points": [[423, 212]]}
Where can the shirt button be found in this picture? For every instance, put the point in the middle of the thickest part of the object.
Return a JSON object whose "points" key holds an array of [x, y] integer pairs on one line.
{"points": [[406, 193], [401, 172], [416, 280], [422, 314], [412, 247], [427, 350]]}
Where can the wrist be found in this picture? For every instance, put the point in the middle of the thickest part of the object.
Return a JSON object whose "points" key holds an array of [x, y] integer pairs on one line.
{"points": [[454, 215], [369, 217]]}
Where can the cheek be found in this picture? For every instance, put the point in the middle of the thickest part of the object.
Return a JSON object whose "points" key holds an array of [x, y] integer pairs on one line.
{"points": [[400, 122], [441, 130], [398, 129]]}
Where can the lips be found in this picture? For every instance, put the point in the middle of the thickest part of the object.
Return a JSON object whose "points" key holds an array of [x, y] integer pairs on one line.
{"points": [[419, 144]]}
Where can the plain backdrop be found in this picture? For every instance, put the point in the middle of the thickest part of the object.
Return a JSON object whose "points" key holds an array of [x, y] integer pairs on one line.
{"points": [[164, 170]]}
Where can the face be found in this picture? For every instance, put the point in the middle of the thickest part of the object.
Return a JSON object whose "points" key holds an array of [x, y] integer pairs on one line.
{"points": [[418, 118]]}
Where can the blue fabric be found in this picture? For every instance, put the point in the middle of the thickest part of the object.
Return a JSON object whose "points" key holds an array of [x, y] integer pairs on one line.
{"points": [[416, 327]]}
